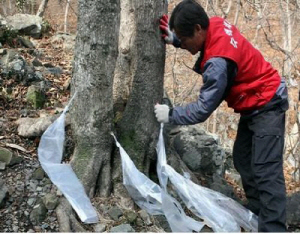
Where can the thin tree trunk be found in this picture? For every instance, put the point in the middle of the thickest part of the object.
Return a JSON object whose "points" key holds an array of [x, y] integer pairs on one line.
{"points": [[32, 6], [215, 115], [226, 12], [288, 41], [42, 8], [66, 16], [237, 13]]}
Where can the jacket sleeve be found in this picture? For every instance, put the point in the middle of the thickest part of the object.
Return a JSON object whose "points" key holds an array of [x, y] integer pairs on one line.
{"points": [[176, 41], [211, 95]]}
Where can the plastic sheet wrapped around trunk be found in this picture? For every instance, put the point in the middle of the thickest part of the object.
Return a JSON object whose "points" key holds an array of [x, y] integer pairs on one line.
{"points": [[150, 197], [50, 152], [219, 212]]}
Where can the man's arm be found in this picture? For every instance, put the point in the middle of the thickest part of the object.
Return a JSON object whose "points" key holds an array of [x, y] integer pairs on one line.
{"points": [[212, 93]]}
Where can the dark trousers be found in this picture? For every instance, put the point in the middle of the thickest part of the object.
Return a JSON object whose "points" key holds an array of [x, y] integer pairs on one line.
{"points": [[258, 157]]}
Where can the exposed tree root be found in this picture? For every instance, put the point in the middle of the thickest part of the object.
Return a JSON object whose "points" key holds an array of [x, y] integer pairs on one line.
{"points": [[67, 219]]}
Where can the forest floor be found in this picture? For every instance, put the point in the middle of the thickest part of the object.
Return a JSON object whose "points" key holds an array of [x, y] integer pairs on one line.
{"points": [[23, 191]]}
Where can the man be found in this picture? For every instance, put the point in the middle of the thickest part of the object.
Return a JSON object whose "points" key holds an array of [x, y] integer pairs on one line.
{"points": [[233, 70]]}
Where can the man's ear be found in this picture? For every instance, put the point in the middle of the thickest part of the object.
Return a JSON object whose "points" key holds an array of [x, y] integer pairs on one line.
{"points": [[198, 28]]}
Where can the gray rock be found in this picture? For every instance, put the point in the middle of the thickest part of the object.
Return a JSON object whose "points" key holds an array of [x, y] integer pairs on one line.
{"points": [[32, 185], [39, 76], [199, 151], [122, 228], [2, 166], [48, 65], [17, 177], [47, 182], [5, 155], [145, 217], [17, 68], [23, 41], [8, 57], [38, 174], [131, 216], [163, 223], [115, 213], [293, 209], [20, 186], [99, 228], [3, 193], [3, 51], [52, 219], [15, 160], [67, 40], [8, 222], [47, 188], [27, 24], [59, 193], [37, 229], [38, 214], [50, 201], [139, 222], [31, 201], [220, 185], [37, 63], [32, 127], [32, 76], [56, 71], [39, 189], [15, 228], [35, 96], [45, 226]]}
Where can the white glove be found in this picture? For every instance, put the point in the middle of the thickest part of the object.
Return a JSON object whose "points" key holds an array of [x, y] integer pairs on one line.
{"points": [[167, 34], [162, 113]]}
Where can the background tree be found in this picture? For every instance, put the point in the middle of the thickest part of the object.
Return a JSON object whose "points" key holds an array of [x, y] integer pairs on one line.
{"points": [[42, 8]]}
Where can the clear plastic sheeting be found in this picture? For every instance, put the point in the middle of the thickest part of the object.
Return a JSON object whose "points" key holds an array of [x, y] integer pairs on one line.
{"points": [[50, 152], [177, 219], [145, 193], [150, 197], [219, 212]]}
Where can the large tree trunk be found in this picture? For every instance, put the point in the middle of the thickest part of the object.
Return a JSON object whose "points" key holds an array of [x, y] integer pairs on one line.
{"points": [[138, 128], [92, 112], [140, 68]]}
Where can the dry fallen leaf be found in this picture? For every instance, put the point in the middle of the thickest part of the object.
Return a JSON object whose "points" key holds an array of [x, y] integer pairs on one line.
{"points": [[14, 146]]}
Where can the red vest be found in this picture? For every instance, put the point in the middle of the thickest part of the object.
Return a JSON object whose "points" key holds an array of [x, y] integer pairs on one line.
{"points": [[256, 81]]}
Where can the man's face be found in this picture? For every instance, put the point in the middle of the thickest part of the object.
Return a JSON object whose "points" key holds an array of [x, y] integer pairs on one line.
{"points": [[194, 43]]}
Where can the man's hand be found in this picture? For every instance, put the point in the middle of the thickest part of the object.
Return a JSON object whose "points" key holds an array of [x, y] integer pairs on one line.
{"points": [[167, 34], [162, 113]]}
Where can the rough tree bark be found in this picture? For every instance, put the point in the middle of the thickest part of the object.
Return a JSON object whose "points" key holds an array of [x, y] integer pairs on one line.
{"points": [[66, 16], [92, 113], [96, 52], [141, 66]]}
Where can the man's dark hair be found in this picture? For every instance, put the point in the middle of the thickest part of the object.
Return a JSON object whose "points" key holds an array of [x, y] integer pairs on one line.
{"points": [[186, 15]]}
